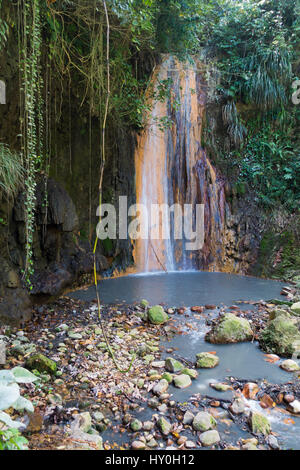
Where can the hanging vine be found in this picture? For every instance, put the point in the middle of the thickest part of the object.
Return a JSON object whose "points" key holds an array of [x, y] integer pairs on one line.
{"points": [[32, 129]]}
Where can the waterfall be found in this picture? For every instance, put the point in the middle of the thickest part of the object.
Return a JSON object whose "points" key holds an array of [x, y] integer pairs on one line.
{"points": [[172, 167]]}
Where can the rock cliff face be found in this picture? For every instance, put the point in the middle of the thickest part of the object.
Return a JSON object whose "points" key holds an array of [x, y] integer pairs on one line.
{"points": [[60, 257]]}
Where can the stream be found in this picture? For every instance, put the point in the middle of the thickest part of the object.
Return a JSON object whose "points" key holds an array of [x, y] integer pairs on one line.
{"points": [[242, 361]]}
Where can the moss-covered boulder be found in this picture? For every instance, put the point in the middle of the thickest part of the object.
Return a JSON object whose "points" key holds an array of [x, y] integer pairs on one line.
{"points": [[172, 365], [182, 381], [259, 424], [41, 363], [157, 315], [144, 303], [281, 336], [296, 308], [204, 421], [230, 329], [164, 426], [290, 366], [191, 372], [206, 360]]}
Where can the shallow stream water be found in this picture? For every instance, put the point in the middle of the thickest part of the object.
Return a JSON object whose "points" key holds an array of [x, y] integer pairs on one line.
{"points": [[242, 361]]}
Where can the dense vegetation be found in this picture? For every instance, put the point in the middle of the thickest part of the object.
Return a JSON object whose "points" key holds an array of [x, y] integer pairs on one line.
{"points": [[106, 51]]}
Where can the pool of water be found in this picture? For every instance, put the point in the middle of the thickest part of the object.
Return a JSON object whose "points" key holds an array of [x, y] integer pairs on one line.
{"points": [[182, 288], [244, 360]]}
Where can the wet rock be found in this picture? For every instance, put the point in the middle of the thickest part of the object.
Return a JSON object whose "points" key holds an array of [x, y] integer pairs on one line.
{"points": [[152, 443], [157, 315], [230, 329], [250, 390], [158, 364], [294, 407], [288, 398], [160, 387], [289, 365], [220, 387], [162, 408], [148, 426], [82, 422], [83, 440], [206, 360], [182, 381], [238, 406], [41, 363], [98, 416], [190, 445], [164, 426], [204, 421], [136, 425], [188, 417], [168, 377], [144, 303], [191, 372], [209, 438], [153, 403], [296, 308], [197, 309], [138, 445], [280, 335], [272, 442], [55, 399], [259, 424], [172, 365], [249, 446]]}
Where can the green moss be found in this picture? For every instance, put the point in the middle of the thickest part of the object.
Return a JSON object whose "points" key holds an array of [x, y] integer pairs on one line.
{"points": [[279, 254], [230, 329], [157, 315], [279, 336], [172, 365], [259, 424], [168, 377], [206, 360], [41, 363]]}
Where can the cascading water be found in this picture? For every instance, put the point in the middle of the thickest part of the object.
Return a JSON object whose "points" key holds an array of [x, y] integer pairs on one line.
{"points": [[172, 167]]}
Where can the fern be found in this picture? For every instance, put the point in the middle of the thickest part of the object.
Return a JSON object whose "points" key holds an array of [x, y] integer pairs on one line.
{"points": [[11, 171]]}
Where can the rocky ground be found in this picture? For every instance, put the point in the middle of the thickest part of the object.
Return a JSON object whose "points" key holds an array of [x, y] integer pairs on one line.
{"points": [[82, 400]]}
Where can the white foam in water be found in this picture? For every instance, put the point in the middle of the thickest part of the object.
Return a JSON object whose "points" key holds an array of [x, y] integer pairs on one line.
{"points": [[288, 433], [203, 385]]}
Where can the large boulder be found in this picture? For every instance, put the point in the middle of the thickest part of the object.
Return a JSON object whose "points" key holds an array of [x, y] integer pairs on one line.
{"points": [[296, 308], [281, 335], [157, 315], [206, 360], [230, 329]]}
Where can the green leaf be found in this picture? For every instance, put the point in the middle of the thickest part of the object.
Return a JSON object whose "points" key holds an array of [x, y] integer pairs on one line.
{"points": [[6, 419], [8, 395], [23, 404], [23, 376], [6, 377]]}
